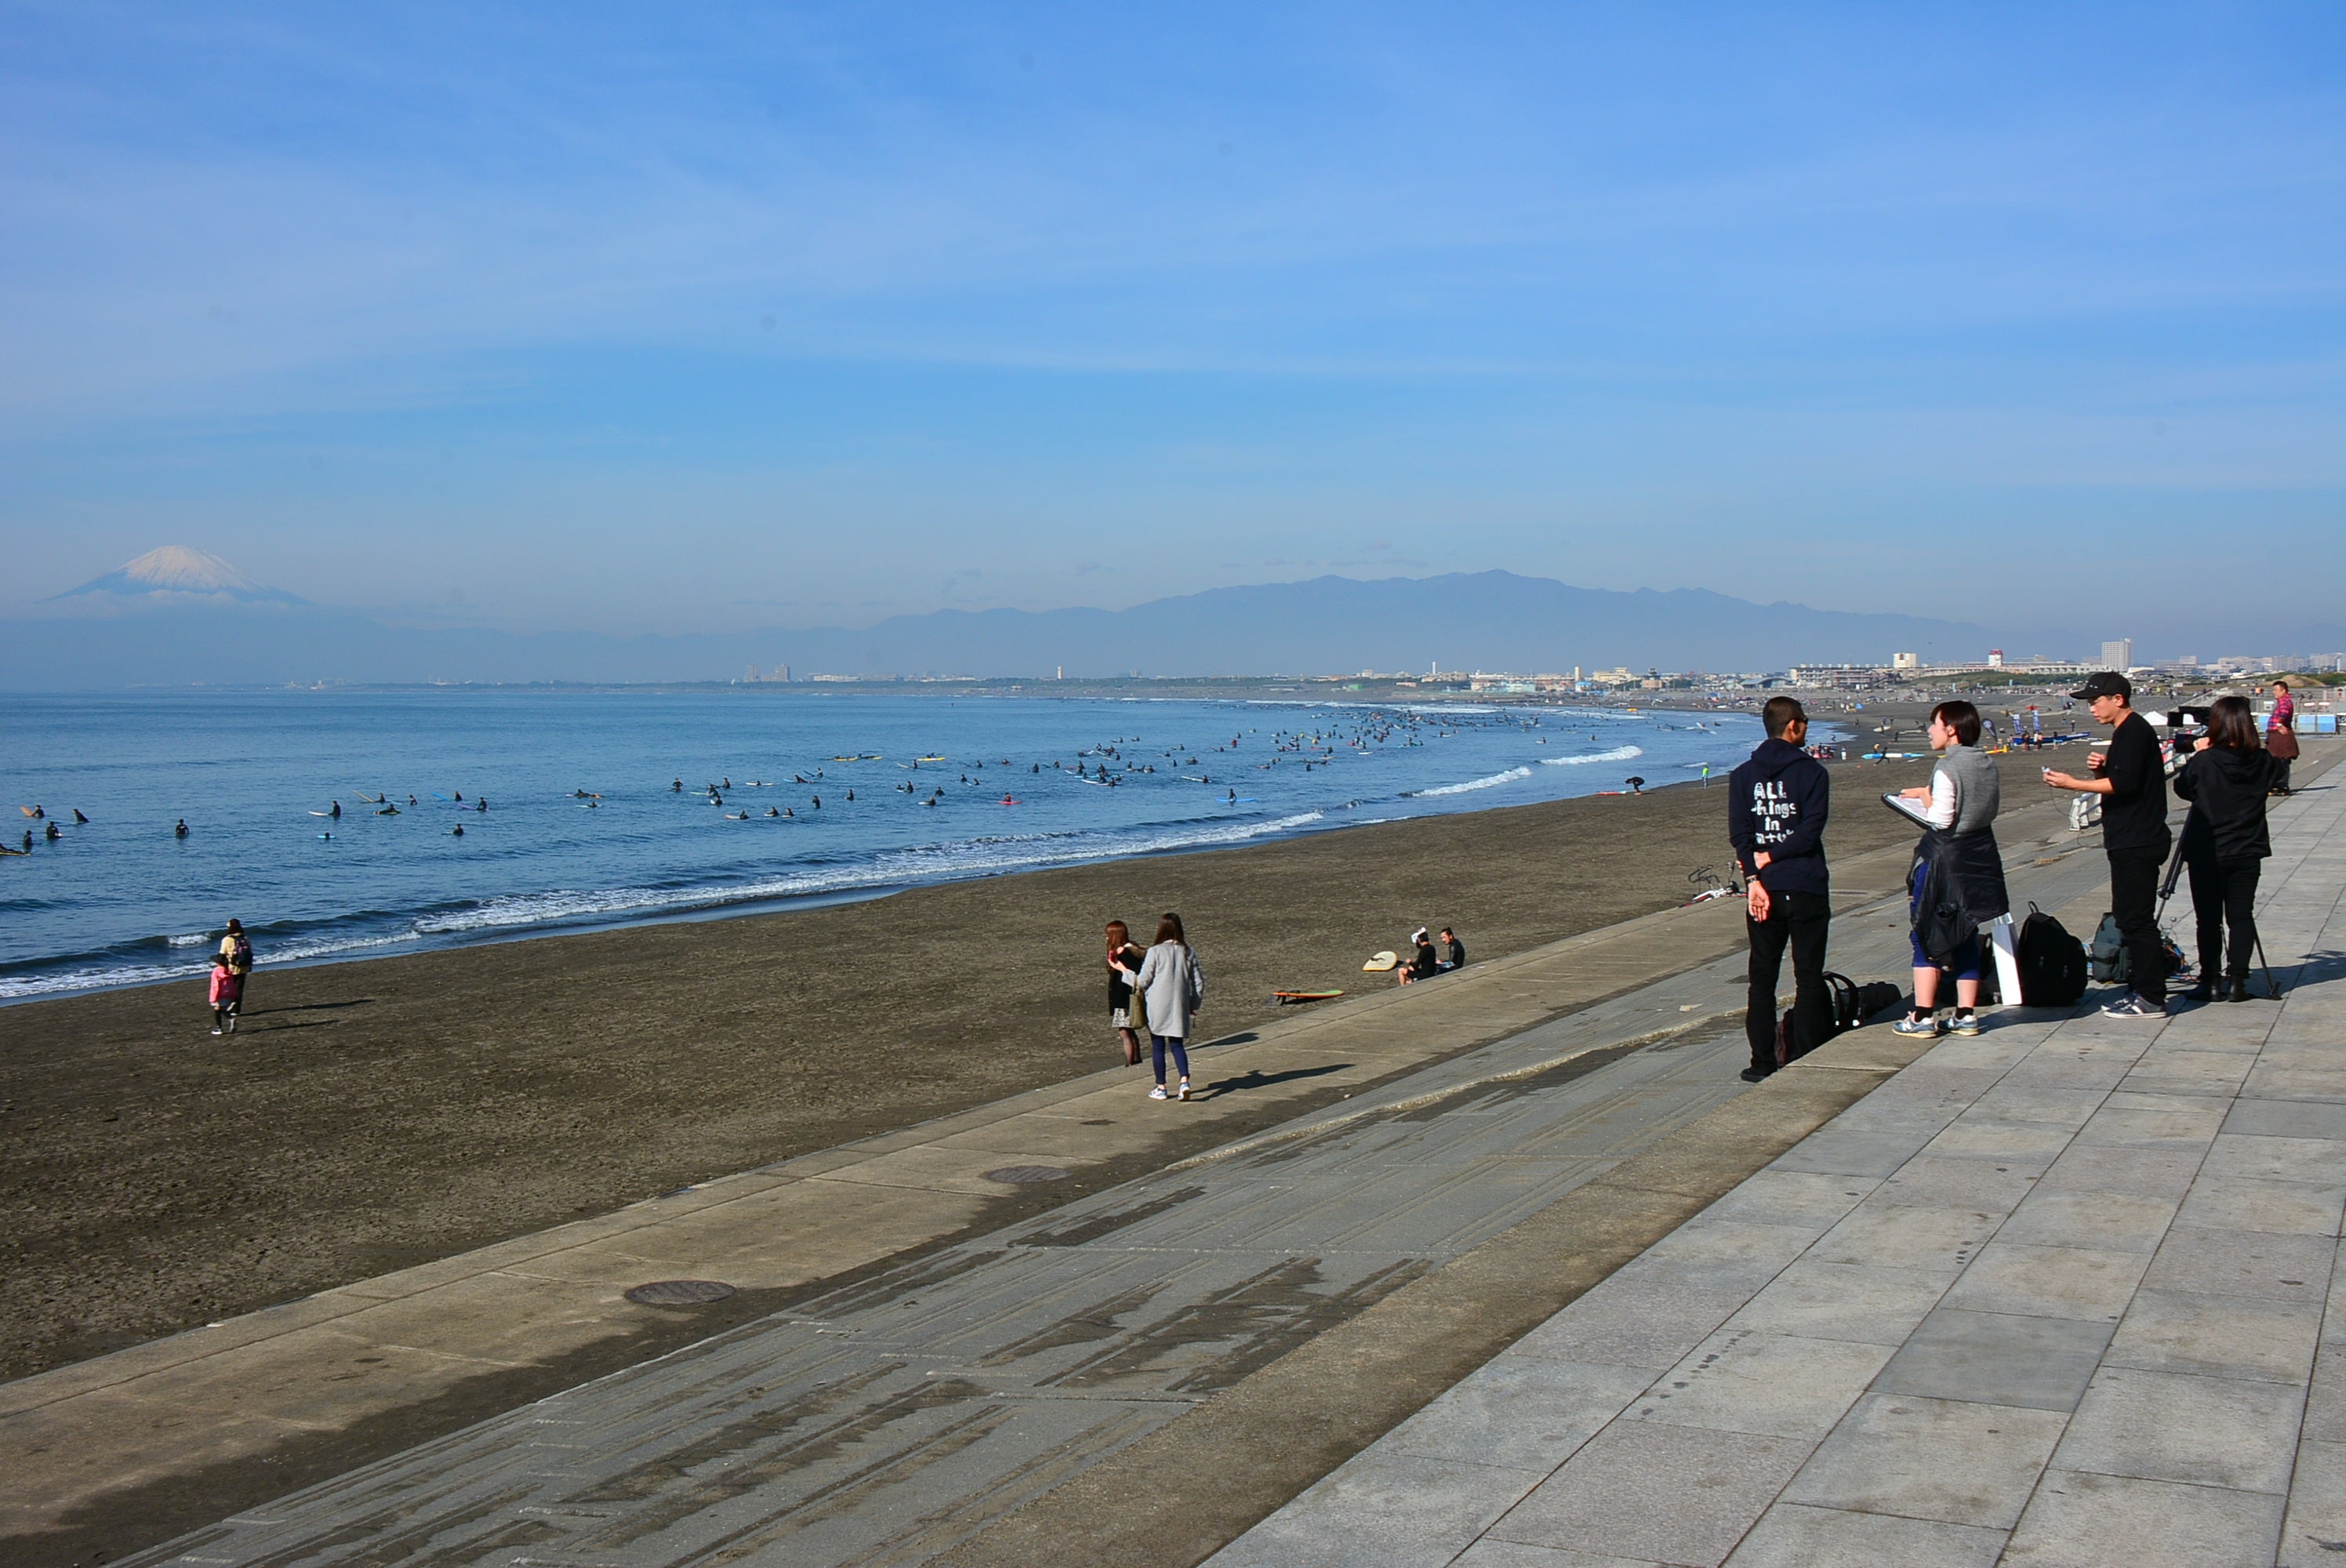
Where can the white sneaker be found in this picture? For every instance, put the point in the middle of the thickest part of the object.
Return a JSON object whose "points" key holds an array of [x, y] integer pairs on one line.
{"points": [[1184, 1090], [1156, 1094], [215, 1032]]}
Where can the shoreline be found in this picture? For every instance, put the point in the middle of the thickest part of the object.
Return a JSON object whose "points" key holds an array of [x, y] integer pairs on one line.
{"points": [[383, 1112], [158, 959]]}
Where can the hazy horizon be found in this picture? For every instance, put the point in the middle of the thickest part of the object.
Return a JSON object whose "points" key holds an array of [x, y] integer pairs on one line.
{"points": [[680, 323]]}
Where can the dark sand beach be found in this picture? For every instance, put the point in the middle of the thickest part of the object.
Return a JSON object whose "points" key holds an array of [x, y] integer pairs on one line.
{"points": [[376, 1115]]}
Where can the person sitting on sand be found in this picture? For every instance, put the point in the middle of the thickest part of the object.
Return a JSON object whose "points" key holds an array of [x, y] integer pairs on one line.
{"points": [[1453, 954], [1423, 962]]}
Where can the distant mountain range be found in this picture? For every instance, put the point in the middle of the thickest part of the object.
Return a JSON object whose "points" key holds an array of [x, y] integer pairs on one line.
{"points": [[179, 617]]}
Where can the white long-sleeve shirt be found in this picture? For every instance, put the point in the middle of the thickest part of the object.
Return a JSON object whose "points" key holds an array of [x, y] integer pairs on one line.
{"points": [[1944, 800]]}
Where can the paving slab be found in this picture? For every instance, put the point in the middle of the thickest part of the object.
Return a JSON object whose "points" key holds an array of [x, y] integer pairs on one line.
{"points": [[2081, 1283]]}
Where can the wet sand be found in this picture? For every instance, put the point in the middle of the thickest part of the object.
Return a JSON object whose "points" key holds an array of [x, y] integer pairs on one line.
{"points": [[375, 1115]]}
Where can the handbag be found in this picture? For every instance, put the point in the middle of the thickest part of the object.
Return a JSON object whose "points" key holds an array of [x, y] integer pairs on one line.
{"points": [[2281, 741]]}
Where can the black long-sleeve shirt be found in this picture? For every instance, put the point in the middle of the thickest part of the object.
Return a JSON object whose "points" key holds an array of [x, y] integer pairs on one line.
{"points": [[2133, 813]]}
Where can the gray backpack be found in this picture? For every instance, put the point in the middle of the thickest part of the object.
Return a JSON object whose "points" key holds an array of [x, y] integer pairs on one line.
{"points": [[2107, 959]]}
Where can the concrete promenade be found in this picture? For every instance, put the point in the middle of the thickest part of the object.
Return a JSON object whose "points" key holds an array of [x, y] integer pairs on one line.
{"points": [[2063, 1294], [1079, 1325]]}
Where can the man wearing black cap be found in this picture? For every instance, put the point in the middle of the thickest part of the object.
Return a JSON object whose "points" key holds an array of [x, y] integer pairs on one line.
{"points": [[2133, 786]]}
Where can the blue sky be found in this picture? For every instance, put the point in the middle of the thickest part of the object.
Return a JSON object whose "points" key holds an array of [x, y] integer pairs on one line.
{"points": [[671, 318]]}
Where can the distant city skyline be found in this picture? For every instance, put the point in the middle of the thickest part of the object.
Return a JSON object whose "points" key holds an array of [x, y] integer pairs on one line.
{"points": [[612, 321]]}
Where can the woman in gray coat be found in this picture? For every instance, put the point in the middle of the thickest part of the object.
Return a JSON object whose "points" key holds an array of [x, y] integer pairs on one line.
{"points": [[1173, 987]]}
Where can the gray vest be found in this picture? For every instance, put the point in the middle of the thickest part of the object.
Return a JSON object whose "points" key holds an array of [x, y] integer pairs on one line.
{"points": [[1978, 790]]}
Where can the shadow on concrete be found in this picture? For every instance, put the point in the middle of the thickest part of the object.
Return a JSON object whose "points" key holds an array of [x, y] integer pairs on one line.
{"points": [[1255, 1078]]}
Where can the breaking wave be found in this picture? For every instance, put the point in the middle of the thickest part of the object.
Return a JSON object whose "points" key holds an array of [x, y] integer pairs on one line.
{"points": [[1509, 776], [1618, 753]]}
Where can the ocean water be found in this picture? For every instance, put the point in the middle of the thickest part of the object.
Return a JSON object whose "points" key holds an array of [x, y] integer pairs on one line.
{"points": [[585, 825]]}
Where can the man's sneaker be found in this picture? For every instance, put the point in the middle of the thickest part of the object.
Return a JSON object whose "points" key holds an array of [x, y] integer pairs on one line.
{"points": [[2133, 1006], [1158, 1093], [1184, 1090], [215, 1032], [1966, 1024], [1913, 1024], [1754, 1074]]}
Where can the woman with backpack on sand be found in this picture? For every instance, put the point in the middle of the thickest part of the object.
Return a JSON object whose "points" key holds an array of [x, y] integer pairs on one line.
{"points": [[1172, 987], [2225, 841]]}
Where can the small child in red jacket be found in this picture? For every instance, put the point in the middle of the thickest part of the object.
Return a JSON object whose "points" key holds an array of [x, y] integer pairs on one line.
{"points": [[228, 989]]}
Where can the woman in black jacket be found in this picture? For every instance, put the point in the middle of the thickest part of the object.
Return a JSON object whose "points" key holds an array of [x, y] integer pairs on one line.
{"points": [[2224, 843]]}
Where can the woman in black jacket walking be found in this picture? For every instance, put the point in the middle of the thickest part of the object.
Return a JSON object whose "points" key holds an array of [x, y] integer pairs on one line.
{"points": [[2225, 843]]}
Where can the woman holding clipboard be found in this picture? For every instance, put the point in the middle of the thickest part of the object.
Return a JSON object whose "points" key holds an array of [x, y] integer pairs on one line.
{"points": [[1956, 885]]}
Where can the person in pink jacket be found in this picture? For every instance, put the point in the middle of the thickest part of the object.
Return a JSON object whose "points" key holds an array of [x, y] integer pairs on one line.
{"points": [[228, 987]]}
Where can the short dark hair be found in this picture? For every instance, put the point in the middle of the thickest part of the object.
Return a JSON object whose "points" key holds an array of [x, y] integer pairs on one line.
{"points": [[1780, 715], [1168, 929], [1960, 716], [2229, 723], [2281, 686]]}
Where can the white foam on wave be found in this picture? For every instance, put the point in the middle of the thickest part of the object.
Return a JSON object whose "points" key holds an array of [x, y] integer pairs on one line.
{"points": [[1618, 753], [1496, 780], [922, 864], [199, 940], [90, 978]]}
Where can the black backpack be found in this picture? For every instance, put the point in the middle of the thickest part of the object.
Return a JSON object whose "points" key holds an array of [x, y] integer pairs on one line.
{"points": [[2052, 962], [1853, 1005]]}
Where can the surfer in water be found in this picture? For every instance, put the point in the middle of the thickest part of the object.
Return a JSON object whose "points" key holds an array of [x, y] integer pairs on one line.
{"points": [[334, 810], [179, 832]]}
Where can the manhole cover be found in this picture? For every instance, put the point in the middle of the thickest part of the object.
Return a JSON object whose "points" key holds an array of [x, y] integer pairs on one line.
{"points": [[1025, 1175], [679, 1292]]}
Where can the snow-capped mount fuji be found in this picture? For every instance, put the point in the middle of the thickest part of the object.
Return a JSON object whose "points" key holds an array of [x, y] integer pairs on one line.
{"points": [[177, 574]]}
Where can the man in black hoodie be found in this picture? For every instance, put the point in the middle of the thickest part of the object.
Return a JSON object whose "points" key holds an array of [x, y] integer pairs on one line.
{"points": [[1776, 807]]}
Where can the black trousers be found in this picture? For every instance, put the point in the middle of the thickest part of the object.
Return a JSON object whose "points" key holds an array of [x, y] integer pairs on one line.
{"points": [[2133, 900], [2225, 893], [1802, 919]]}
